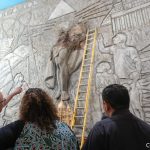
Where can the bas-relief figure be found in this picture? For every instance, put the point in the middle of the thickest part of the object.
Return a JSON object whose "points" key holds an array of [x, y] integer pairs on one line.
{"points": [[126, 59], [104, 77], [127, 67], [134, 21], [59, 66], [136, 100]]}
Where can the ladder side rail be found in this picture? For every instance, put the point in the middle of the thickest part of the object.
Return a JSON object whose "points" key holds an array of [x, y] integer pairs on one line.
{"points": [[88, 89], [80, 77]]}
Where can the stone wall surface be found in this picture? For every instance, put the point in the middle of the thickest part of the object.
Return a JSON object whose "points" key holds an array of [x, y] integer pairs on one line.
{"points": [[29, 31]]}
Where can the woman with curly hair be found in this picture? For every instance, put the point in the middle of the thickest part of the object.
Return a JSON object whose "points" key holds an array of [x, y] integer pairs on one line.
{"points": [[42, 129]]}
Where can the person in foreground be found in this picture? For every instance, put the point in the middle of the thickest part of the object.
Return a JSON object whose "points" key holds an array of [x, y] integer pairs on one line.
{"points": [[39, 127], [9, 133], [121, 130]]}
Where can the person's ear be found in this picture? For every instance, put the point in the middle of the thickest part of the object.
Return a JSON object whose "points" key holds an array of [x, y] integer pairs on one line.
{"points": [[107, 108]]}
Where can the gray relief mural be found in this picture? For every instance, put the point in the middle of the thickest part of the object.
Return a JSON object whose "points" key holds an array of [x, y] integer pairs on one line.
{"points": [[33, 54], [65, 58]]}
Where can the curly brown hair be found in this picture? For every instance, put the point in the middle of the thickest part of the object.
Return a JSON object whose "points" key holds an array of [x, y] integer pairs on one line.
{"points": [[37, 107]]}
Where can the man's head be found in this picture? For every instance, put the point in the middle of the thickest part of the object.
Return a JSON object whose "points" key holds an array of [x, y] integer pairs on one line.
{"points": [[77, 33], [120, 38], [115, 97]]}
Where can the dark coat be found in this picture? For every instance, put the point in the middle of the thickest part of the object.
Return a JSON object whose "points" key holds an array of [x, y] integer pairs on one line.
{"points": [[9, 134], [123, 131]]}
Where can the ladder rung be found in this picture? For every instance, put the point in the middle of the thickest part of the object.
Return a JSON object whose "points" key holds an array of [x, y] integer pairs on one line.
{"points": [[78, 126], [89, 43], [79, 116], [92, 31], [82, 91], [91, 39], [91, 34], [86, 71], [80, 107], [87, 53], [81, 99], [86, 65], [83, 72], [89, 49], [84, 78], [83, 84], [87, 59]]}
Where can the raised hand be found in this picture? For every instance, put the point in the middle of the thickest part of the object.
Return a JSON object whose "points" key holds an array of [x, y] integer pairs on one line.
{"points": [[18, 90]]}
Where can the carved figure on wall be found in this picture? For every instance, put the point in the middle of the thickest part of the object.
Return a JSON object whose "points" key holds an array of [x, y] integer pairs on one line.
{"points": [[59, 66], [136, 100], [14, 28], [127, 66], [104, 77], [126, 59]]}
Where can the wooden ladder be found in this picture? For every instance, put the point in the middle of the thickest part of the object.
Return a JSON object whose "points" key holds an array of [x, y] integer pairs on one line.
{"points": [[84, 86]]}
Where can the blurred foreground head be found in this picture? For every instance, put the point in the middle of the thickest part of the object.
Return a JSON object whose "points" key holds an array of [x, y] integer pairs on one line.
{"points": [[37, 107], [115, 97]]}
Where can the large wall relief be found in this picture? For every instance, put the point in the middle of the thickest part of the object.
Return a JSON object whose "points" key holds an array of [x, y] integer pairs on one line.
{"points": [[128, 52]]}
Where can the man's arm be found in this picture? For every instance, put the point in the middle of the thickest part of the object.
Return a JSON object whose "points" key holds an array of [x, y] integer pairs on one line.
{"points": [[102, 47], [95, 140], [10, 133]]}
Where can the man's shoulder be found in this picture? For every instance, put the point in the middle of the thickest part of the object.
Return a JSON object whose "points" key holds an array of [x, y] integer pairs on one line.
{"points": [[104, 123], [145, 126]]}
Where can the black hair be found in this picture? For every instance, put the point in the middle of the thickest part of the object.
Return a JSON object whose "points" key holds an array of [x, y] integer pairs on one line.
{"points": [[117, 96]]}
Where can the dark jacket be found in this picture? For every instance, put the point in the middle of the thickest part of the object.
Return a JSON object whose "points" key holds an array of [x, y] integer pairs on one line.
{"points": [[123, 131], [9, 134]]}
